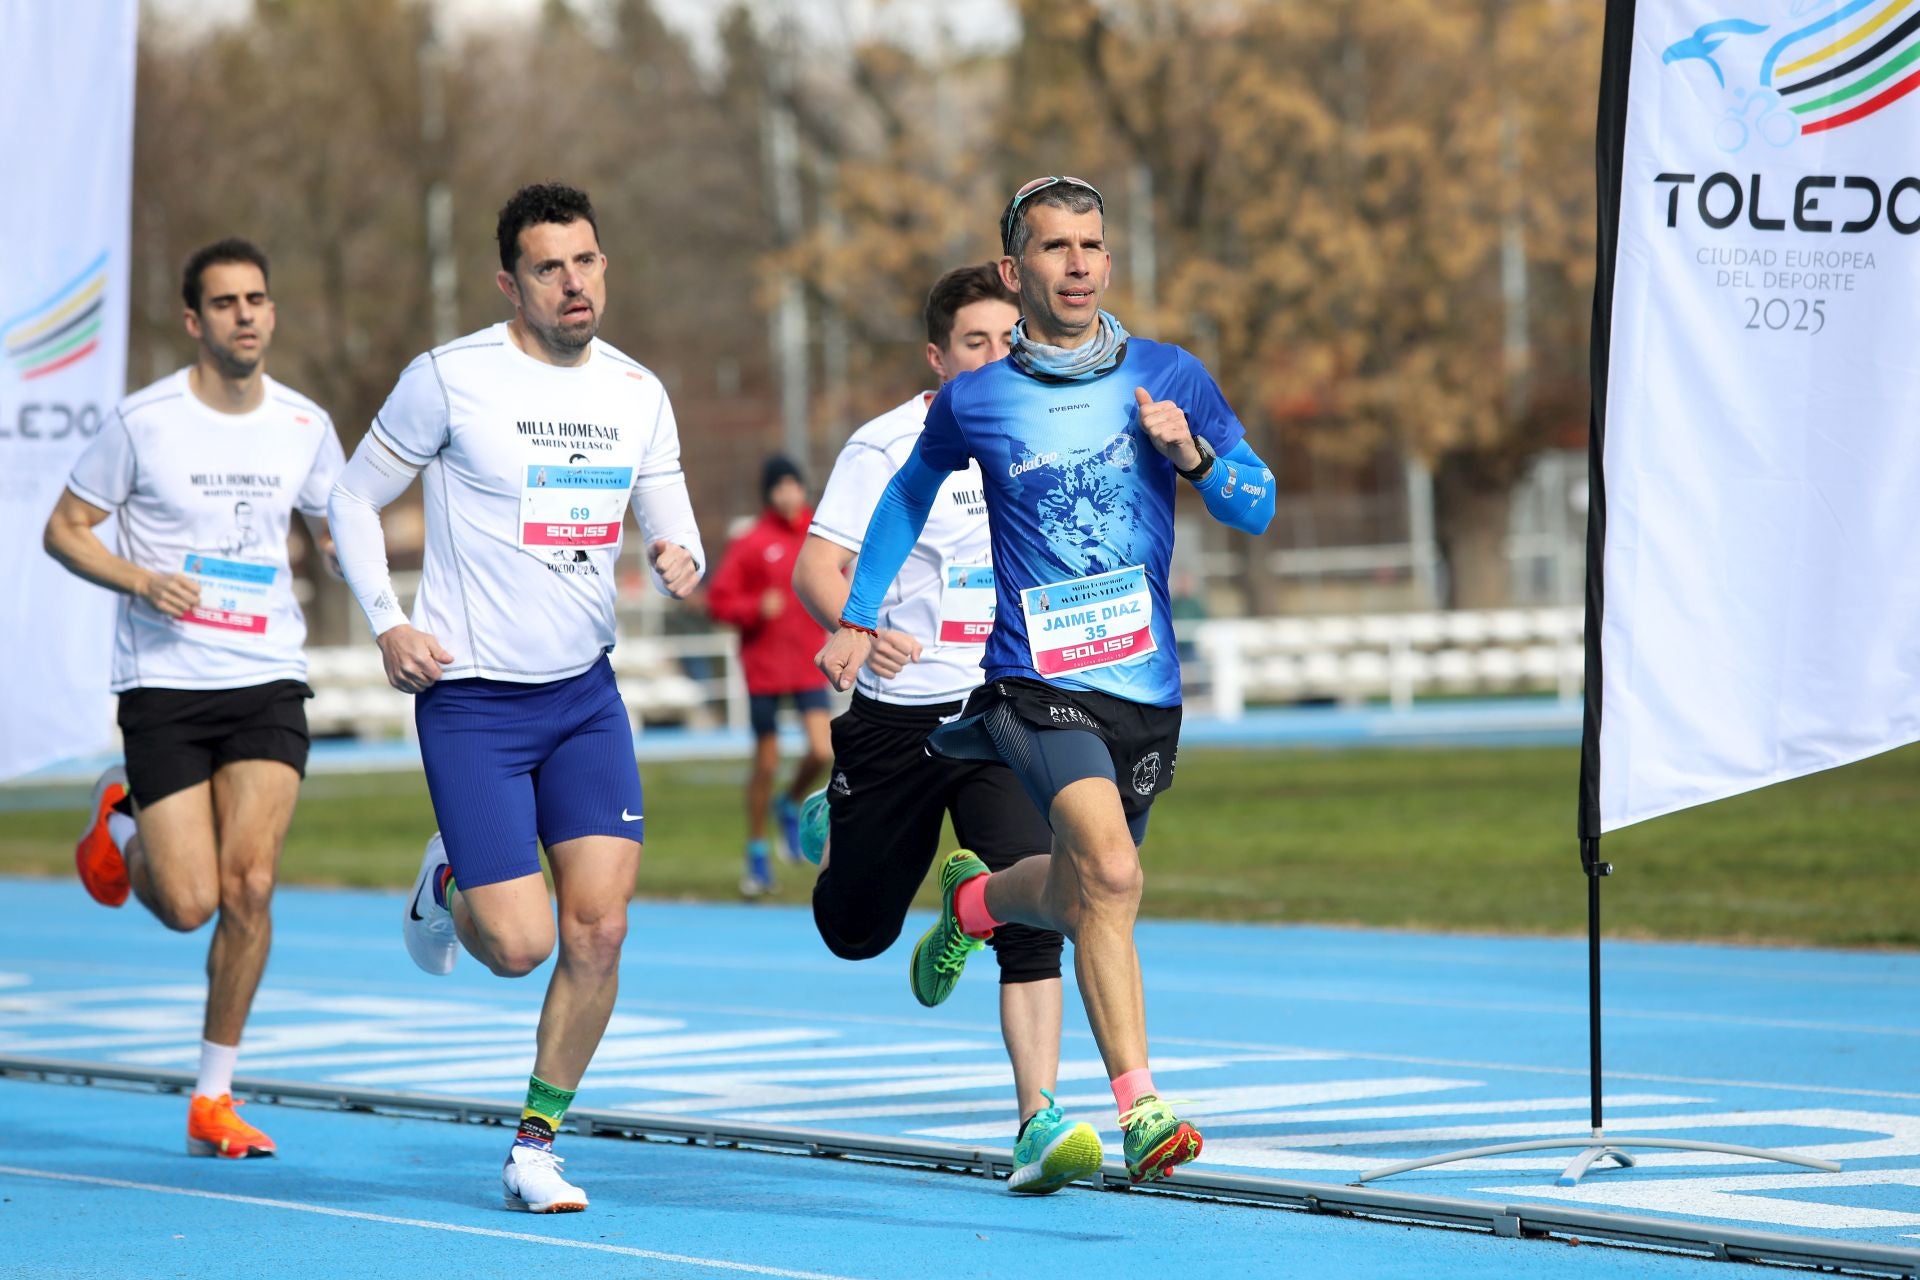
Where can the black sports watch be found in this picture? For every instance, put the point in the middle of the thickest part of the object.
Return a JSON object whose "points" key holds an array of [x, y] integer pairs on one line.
{"points": [[1198, 471]]}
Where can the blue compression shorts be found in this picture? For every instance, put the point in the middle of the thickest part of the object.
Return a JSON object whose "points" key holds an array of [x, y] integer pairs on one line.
{"points": [[514, 766]]}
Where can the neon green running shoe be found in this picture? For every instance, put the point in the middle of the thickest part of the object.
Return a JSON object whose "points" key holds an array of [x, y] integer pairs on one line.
{"points": [[942, 951], [1157, 1141], [1051, 1153], [813, 827]]}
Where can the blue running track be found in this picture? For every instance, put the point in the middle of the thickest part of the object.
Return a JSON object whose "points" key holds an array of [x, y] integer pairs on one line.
{"points": [[1306, 1053]]}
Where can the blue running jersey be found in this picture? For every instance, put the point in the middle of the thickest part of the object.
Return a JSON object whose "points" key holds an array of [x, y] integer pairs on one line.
{"points": [[1081, 509]]}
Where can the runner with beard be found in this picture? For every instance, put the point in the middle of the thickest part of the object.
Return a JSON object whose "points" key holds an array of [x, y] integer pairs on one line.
{"points": [[523, 734]]}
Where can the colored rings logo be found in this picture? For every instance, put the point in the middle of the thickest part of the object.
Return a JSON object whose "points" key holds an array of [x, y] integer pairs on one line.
{"points": [[1842, 67], [60, 330]]}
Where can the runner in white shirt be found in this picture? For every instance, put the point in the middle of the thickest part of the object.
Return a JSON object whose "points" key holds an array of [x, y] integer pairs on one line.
{"points": [[204, 469], [876, 827], [530, 437]]}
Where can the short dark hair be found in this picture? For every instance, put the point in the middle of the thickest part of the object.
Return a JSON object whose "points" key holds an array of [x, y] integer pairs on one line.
{"points": [[961, 287], [1068, 194], [533, 205], [231, 249]]}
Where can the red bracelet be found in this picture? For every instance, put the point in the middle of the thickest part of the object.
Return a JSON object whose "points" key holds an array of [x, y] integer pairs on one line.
{"points": [[854, 626]]}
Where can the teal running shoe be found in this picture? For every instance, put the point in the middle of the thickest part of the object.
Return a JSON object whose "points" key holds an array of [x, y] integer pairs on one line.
{"points": [[814, 827], [1051, 1153], [1157, 1141], [942, 951]]}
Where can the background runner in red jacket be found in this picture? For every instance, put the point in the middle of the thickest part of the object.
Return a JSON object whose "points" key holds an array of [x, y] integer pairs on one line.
{"points": [[753, 590]]}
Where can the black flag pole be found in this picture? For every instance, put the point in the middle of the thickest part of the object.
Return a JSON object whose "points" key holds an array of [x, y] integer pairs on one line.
{"points": [[1595, 1146]]}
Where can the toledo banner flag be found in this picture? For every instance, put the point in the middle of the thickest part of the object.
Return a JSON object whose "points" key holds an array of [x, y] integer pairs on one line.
{"points": [[1753, 584], [66, 164]]}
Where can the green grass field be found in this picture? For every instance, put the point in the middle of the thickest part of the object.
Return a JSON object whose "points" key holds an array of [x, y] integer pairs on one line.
{"points": [[1476, 840]]}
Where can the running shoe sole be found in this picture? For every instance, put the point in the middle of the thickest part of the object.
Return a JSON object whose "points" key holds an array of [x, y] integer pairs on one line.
{"points": [[515, 1203], [201, 1147], [815, 827], [932, 987], [430, 954], [105, 884], [1074, 1155], [1178, 1148]]}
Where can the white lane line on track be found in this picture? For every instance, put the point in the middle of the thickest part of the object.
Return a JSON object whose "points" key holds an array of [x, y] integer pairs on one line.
{"points": [[653, 1255], [950, 1025]]}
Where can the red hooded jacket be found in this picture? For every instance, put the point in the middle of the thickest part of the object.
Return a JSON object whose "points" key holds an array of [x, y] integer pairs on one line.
{"points": [[776, 654]]}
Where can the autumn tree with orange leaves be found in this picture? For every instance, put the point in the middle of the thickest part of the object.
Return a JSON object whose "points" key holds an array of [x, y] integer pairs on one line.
{"points": [[1373, 220]]}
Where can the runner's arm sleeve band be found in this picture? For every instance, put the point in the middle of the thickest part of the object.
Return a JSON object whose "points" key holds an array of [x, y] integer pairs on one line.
{"points": [[372, 478], [891, 532], [1238, 490], [664, 510]]}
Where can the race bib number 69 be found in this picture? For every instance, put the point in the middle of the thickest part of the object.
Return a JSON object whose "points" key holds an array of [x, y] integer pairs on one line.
{"points": [[1086, 623], [573, 506]]}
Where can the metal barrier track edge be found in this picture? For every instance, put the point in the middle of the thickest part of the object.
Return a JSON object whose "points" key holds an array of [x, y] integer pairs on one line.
{"points": [[1514, 1220]]}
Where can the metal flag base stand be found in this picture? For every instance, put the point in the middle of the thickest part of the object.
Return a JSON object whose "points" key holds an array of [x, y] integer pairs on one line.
{"points": [[1597, 1145]]}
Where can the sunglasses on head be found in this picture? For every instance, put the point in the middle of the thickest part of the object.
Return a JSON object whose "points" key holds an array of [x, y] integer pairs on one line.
{"points": [[1011, 217]]}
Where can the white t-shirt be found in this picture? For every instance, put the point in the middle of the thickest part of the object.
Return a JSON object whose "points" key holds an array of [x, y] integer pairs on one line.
{"points": [[529, 467], [210, 495], [944, 595]]}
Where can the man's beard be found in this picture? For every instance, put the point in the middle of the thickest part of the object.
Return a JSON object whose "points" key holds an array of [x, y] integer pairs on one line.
{"points": [[569, 338]]}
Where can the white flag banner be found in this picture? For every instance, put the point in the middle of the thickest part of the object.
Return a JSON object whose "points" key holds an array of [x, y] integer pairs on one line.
{"points": [[1757, 375], [66, 164]]}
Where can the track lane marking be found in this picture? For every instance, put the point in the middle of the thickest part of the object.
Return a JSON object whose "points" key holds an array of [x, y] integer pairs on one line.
{"points": [[653, 1255]]}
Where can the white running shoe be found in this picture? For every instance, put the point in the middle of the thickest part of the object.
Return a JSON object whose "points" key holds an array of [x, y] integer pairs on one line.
{"points": [[534, 1185], [425, 924]]}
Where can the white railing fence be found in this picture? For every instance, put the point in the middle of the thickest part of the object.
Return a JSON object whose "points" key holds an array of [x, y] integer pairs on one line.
{"points": [[1399, 657], [694, 681]]}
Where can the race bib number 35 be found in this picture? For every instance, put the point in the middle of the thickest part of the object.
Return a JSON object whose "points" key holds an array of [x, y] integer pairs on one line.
{"points": [[233, 594], [1086, 623], [573, 506], [966, 604]]}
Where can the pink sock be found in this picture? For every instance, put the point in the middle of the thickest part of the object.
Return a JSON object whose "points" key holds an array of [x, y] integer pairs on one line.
{"points": [[1131, 1086], [970, 904]]}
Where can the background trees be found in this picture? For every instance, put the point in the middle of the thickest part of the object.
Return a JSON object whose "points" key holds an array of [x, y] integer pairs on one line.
{"points": [[1372, 218]]}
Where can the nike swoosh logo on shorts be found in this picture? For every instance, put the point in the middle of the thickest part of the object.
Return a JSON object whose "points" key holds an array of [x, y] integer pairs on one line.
{"points": [[630, 817]]}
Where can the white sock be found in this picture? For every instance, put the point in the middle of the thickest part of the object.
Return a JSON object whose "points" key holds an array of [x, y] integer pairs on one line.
{"points": [[121, 829], [216, 1069]]}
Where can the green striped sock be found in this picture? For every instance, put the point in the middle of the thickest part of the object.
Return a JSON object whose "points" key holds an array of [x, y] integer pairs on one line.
{"points": [[540, 1118]]}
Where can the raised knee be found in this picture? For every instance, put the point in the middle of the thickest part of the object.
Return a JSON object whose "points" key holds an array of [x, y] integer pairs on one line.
{"points": [[184, 908], [857, 949], [517, 960], [186, 917], [1110, 880]]}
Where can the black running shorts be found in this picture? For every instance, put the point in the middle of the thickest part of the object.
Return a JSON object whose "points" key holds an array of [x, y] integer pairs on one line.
{"points": [[1054, 737], [176, 738], [886, 797]]}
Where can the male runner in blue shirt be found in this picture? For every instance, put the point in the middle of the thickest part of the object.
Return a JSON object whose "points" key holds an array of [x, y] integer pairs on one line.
{"points": [[1079, 434]]}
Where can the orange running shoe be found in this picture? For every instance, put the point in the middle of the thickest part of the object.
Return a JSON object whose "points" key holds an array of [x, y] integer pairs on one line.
{"points": [[214, 1130], [102, 867]]}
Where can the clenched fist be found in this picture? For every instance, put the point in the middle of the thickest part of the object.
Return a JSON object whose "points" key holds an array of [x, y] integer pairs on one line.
{"points": [[676, 567], [1166, 425]]}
